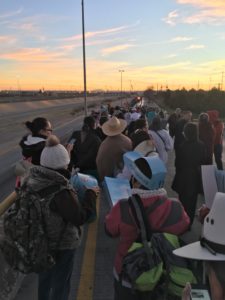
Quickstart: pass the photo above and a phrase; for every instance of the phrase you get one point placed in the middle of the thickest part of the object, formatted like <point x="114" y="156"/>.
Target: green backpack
<point x="179" y="272"/>
<point x="143" y="264"/>
<point x="150" y="265"/>
<point x="141" y="271"/>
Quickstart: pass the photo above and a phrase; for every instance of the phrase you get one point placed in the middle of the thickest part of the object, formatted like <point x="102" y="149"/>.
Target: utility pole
<point x="221" y="87"/>
<point x="84" y="60"/>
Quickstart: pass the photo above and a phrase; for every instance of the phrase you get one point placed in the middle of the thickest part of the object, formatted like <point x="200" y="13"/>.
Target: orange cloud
<point x="209" y="11"/>
<point x="31" y="54"/>
<point x="204" y="3"/>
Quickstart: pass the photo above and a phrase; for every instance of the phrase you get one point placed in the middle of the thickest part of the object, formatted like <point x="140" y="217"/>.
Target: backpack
<point x="143" y="272"/>
<point x="150" y="265"/>
<point x="143" y="265"/>
<point x="25" y="245"/>
<point x="179" y="271"/>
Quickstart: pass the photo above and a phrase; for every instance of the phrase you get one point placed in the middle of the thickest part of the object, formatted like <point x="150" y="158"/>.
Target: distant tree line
<point x="196" y="101"/>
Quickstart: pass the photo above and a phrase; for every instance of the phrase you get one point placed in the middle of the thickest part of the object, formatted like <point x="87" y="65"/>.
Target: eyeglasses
<point x="48" y="129"/>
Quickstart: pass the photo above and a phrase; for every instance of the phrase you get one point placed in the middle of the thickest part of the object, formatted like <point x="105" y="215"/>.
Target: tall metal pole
<point x="221" y="87"/>
<point x="84" y="60"/>
<point x="121" y="84"/>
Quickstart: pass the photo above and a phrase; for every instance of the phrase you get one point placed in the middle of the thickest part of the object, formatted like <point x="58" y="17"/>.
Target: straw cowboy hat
<point x="149" y="171"/>
<point x="146" y="148"/>
<point x="114" y="126"/>
<point x="212" y="244"/>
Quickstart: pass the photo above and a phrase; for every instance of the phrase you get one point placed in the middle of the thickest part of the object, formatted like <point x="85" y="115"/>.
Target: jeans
<point x="54" y="284"/>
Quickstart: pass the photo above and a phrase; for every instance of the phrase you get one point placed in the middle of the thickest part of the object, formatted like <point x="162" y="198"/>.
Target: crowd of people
<point x="98" y="149"/>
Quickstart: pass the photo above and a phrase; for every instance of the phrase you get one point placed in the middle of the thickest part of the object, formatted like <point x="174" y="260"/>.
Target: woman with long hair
<point x="85" y="149"/>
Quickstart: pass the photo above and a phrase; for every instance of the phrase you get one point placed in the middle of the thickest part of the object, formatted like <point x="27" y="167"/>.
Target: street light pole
<point x="84" y="60"/>
<point x="121" y="83"/>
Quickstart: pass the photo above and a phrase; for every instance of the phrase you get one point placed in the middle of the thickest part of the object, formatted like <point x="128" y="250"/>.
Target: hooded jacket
<point x="164" y="215"/>
<point x="32" y="147"/>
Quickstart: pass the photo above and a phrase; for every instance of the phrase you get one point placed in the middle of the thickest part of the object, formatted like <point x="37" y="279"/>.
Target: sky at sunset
<point x="164" y="43"/>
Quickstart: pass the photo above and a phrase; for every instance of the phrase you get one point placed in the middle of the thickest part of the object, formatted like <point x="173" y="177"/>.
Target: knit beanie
<point x="54" y="155"/>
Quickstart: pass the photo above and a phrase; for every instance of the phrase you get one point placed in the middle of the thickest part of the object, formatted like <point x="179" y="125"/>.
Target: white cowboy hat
<point x="148" y="171"/>
<point x="146" y="148"/>
<point x="212" y="244"/>
<point x="114" y="126"/>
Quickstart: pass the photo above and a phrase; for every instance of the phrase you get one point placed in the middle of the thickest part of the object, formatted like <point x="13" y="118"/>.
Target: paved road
<point x="65" y="115"/>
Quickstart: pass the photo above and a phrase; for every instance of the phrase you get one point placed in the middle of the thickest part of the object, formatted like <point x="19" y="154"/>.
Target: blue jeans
<point x="54" y="284"/>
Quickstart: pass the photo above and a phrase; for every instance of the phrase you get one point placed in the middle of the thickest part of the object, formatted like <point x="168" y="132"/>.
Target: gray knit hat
<point x="54" y="155"/>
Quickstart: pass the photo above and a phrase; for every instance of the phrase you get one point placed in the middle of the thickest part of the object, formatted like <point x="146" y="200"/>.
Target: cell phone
<point x="72" y="141"/>
<point x="200" y="294"/>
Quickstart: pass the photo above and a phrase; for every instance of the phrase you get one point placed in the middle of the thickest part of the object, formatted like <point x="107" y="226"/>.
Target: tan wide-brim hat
<point x="114" y="126"/>
<point x="146" y="148"/>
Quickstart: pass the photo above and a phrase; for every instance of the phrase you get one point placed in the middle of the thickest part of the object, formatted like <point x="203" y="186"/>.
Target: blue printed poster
<point x="116" y="189"/>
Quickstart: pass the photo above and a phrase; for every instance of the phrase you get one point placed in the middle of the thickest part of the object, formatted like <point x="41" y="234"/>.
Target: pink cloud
<point x="7" y="39"/>
<point x="118" y="48"/>
<point x="91" y="34"/>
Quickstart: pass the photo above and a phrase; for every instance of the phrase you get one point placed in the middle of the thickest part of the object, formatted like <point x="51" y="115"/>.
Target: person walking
<point x="187" y="180"/>
<point x="218" y="141"/>
<point x="206" y="135"/>
<point x="110" y="154"/>
<point x="179" y="129"/>
<point x="162" y="140"/>
<point x="162" y="213"/>
<point x="85" y="148"/>
<point x="63" y="219"/>
<point x="172" y="121"/>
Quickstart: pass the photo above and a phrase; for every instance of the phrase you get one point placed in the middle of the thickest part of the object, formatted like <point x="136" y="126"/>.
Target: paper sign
<point x="199" y="294"/>
<point x="209" y="184"/>
<point x="116" y="189"/>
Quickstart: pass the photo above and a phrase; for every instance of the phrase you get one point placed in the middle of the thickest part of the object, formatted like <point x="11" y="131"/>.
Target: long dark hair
<point x="88" y="124"/>
<point x="36" y="125"/>
<point x="191" y="132"/>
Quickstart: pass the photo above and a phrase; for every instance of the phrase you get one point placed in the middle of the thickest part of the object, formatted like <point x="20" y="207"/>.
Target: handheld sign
<point x="116" y="189"/>
<point x="209" y="184"/>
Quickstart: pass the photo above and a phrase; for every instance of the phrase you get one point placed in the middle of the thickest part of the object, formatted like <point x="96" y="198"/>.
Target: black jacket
<point x="84" y="153"/>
